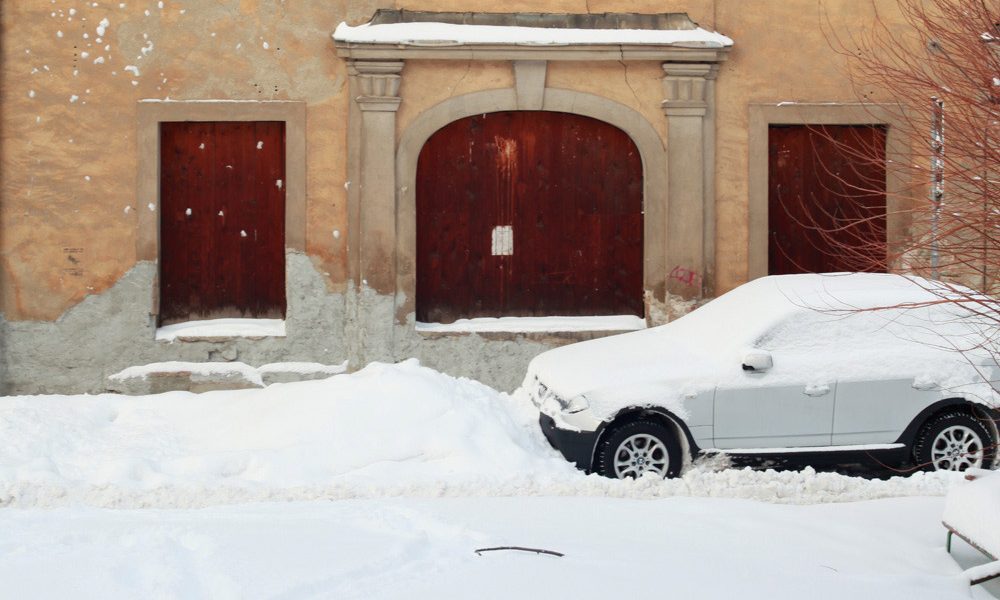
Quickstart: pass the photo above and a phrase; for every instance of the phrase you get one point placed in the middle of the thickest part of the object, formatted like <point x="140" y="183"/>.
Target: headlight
<point x="574" y="405"/>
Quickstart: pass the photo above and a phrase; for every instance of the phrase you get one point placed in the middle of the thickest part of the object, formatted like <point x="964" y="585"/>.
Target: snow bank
<point x="387" y="430"/>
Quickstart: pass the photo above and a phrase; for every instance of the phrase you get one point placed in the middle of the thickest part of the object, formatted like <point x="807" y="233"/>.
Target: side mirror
<point x="757" y="361"/>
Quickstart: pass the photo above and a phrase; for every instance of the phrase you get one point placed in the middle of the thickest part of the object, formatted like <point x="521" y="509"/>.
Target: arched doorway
<point x="529" y="213"/>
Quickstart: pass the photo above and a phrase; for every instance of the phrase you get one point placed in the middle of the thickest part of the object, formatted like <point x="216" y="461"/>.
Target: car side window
<point x="813" y="330"/>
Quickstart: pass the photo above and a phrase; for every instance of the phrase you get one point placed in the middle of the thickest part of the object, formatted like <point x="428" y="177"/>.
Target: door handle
<point x="816" y="390"/>
<point x="924" y="384"/>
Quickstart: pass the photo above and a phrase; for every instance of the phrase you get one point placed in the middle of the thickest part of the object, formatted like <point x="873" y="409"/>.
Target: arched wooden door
<point x="528" y="213"/>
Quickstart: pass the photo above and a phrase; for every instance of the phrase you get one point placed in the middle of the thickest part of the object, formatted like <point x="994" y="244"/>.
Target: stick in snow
<point x="521" y="548"/>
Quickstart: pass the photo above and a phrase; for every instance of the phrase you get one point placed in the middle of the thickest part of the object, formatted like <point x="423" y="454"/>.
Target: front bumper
<point x="576" y="446"/>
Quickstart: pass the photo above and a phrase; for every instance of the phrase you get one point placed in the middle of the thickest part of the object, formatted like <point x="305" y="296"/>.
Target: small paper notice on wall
<point x="503" y="240"/>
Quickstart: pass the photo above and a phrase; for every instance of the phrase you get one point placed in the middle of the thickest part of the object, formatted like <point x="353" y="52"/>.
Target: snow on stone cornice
<point x="445" y="34"/>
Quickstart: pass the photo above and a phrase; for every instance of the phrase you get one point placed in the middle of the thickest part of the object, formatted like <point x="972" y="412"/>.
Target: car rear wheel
<point x="954" y="441"/>
<point x="637" y="448"/>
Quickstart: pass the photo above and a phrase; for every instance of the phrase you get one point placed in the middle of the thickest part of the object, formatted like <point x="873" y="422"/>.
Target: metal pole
<point x="937" y="180"/>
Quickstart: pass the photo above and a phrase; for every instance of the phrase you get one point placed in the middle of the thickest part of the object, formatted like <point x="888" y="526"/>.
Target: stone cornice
<point x="583" y="52"/>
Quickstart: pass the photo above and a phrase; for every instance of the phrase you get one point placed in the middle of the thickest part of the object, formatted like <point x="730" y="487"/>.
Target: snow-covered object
<point x="222" y="328"/>
<point x="231" y="369"/>
<point x="387" y="430"/>
<point x="237" y="370"/>
<point x="972" y="508"/>
<point x="817" y="322"/>
<point x="443" y="34"/>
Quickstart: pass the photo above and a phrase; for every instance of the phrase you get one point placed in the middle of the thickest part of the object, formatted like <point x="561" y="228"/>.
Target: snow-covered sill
<point x="854" y="448"/>
<point x="222" y="328"/>
<point x="536" y="324"/>
<point x="228" y="369"/>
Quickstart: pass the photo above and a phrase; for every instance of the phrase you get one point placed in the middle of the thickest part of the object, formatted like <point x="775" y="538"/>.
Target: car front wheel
<point x="954" y="441"/>
<point x="637" y="448"/>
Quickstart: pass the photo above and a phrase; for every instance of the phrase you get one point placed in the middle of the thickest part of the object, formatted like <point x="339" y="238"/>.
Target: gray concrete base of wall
<point x="114" y="330"/>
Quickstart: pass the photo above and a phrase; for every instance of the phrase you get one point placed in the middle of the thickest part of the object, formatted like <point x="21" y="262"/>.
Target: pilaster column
<point x="686" y="105"/>
<point x="378" y="100"/>
<point x="372" y="206"/>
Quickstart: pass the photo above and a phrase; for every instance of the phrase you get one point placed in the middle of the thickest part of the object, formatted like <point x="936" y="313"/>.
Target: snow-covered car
<point x="805" y="368"/>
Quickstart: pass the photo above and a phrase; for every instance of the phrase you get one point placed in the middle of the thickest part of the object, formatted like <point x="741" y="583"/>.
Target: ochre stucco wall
<point x="68" y="216"/>
<point x="64" y="236"/>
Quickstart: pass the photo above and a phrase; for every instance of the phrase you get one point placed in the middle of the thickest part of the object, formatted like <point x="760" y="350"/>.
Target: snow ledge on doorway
<point x="222" y="328"/>
<point x="536" y="324"/>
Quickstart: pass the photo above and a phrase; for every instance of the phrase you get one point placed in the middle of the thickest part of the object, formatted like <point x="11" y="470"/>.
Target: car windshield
<point x="735" y="319"/>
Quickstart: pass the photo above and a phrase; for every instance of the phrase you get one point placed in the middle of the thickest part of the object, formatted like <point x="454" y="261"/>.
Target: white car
<point x="816" y="368"/>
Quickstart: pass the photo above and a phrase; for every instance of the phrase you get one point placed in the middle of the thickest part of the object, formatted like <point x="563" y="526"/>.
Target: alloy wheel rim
<point x="639" y="454"/>
<point x="957" y="448"/>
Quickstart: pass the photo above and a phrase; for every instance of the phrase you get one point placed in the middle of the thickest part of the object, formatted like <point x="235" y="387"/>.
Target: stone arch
<point x="637" y="127"/>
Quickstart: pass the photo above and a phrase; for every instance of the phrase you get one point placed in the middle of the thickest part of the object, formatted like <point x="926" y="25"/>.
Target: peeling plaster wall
<point x="108" y="332"/>
<point x="111" y="331"/>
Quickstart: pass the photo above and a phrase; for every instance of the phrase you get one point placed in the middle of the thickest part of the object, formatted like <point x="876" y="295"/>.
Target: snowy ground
<point x="424" y="548"/>
<point x="382" y="483"/>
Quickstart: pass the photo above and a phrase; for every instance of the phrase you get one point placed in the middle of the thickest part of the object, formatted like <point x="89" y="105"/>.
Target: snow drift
<point x="387" y="430"/>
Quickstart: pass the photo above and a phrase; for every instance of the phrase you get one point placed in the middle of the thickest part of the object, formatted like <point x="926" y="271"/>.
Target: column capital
<point x="378" y="84"/>
<point x="684" y="87"/>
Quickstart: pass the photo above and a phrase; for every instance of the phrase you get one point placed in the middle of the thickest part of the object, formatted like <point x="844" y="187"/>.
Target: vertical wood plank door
<point x="826" y="199"/>
<point x="528" y="213"/>
<point x="222" y="220"/>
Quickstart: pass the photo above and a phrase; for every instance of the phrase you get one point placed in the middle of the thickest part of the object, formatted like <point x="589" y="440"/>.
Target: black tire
<point x="924" y="444"/>
<point x="613" y="443"/>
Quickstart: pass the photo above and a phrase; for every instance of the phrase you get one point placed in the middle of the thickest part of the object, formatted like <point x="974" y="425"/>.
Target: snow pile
<point x="387" y="430"/>
<point x="973" y="509"/>
<point x="387" y="425"/>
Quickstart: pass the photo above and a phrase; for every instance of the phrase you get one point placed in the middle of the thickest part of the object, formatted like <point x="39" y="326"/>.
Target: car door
<point x="790" y="403"/>
<point x="876" y="411"/>
<point x="902" y="367"/>
<point x="785" y="406"/>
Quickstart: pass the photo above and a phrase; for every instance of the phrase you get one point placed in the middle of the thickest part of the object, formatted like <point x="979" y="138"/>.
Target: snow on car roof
<point x="743" y="314"/>
<point x="860" y="290"/>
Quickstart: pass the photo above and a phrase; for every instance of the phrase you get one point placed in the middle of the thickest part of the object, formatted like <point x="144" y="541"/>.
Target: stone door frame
<point x="381" y="199"/>
<point x="762" y="116"/>
<point x="152" y="113"/>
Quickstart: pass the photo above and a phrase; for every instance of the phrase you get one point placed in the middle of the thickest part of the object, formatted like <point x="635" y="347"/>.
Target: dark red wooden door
<point x="222" y="212"/>
<point x="826" y="199"/>
<point x="528" y="213"/>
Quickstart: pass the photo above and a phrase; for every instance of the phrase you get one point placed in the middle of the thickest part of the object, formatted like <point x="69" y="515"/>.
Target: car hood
<point x="632" y="365"/>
